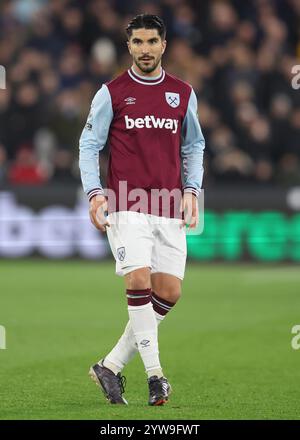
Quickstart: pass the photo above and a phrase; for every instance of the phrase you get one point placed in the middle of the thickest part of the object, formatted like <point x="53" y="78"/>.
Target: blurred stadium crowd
<point x="238" y="56"/>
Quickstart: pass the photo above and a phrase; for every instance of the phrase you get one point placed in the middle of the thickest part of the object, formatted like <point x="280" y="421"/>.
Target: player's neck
<point x="154" y="74"/>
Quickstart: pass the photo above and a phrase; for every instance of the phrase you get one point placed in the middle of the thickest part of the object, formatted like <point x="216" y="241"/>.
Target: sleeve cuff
<point x="95" y="192"/>
<point x="190" y="189"/>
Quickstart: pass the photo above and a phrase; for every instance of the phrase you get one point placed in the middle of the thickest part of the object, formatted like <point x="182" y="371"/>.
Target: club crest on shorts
<point x="121" y="253"/>
<point x="173" y="99"/>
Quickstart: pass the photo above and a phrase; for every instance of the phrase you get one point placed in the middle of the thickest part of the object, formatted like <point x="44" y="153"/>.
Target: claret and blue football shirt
<point x="154" y="136"/>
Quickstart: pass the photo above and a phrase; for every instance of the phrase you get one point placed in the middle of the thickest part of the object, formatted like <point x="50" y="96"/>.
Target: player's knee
<point x="138" y="279"/>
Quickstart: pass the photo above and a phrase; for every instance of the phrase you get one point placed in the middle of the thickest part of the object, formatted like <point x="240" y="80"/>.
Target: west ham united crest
<point x="173" y="99"/>
<point x="121" y="253"/>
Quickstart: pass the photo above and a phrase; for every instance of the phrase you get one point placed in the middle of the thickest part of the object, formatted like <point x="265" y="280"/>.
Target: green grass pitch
<point x="226" y="346"/>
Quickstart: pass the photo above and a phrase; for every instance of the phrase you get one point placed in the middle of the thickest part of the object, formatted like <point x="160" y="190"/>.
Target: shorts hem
<point x="127" y="269"/>
<point x="169" y="272"/>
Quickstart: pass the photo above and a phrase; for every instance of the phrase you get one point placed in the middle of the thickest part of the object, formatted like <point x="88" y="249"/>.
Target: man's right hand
<point x="98" y="208"/>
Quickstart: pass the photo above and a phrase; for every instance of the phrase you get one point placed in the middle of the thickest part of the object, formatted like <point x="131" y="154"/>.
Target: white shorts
<point x="145" y="240"/>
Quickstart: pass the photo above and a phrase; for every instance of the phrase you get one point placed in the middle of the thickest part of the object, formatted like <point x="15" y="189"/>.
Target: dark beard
<point x="147" y="69"/>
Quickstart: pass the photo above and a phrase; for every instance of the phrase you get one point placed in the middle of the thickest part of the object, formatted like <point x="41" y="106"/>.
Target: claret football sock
<point x="126" y="347"/>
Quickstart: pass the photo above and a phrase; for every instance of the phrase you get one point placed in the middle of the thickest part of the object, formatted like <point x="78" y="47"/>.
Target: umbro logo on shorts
<point x="121" y="253"/>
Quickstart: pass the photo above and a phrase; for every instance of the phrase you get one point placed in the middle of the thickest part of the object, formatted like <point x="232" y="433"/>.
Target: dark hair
<point x="147" y="21"/>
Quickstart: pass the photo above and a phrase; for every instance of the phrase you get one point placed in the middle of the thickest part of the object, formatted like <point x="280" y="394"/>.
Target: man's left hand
<point x="189" y="205"/>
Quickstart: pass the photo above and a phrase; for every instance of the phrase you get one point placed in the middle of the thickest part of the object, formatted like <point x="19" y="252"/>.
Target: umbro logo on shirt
<point x="150" y="121"/>
<point x="130" y="100"/>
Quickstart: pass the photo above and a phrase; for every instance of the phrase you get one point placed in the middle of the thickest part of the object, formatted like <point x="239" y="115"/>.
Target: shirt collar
<point x="147" y="80"/>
